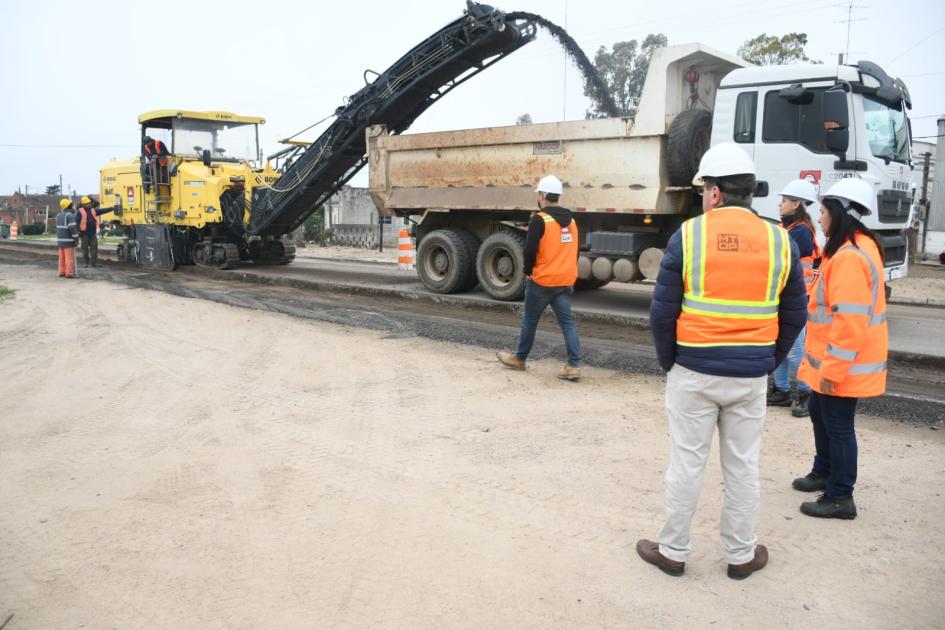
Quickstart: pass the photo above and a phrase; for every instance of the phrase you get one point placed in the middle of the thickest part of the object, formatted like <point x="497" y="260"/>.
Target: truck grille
<point x="895" y="247"/>
<point x="893" y="206"/>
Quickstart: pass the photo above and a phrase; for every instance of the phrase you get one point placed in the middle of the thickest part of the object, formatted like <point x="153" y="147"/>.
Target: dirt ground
<point x="169" y="462"/>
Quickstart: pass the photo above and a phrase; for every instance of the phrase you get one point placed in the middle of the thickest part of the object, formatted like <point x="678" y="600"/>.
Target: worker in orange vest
<point x="551" y="253"/>
<point x="66" y="237"/>
<point x="847" y="344"/>
<point x="795" y="198"/>
<point x="155" y="152"/>
<point x="727" y="307"/>
<point x="89" y="224"/>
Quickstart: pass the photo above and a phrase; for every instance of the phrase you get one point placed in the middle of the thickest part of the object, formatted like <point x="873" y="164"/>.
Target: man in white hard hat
<point x="728" y="304"/>
<point x="551" y="253"/>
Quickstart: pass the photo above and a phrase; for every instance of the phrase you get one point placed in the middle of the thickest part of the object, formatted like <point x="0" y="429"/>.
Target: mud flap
<point x="155" y="247"/>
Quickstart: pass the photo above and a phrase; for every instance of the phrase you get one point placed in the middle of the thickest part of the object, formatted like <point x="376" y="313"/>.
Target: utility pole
<point x="924" y="205"/>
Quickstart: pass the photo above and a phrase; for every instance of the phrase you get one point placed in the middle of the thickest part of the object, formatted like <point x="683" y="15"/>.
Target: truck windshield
<point x="225" y="141"/>
<point x="887" y="130"/>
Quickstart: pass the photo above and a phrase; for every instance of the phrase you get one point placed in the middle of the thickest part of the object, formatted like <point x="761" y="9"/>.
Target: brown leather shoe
<point x="741" y="571"/>
<point x="569" y="373"/>
<point x="650" y="552"/>
<point x="509" y="360"/>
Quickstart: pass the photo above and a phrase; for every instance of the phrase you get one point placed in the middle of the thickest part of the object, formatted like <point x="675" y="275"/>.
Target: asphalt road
<point x="612" y="320"/>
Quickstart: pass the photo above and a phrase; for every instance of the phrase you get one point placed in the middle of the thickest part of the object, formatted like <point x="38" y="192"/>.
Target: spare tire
<point x="688" y="140"/>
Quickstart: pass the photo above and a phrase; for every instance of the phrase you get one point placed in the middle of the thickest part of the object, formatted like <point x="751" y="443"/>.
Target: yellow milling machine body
<point x="192" y="204"/>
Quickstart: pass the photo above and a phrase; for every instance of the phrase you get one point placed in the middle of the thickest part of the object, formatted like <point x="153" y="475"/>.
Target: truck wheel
<point x="472" y="243"/>
<point x="444" y="262"/>
<point x="500" y="265"/>
<point x="688" y="140"/>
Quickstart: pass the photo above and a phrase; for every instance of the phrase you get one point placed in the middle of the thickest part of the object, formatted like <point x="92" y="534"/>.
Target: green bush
<point x="315" y="227"/>
<point x="33" y="229"/>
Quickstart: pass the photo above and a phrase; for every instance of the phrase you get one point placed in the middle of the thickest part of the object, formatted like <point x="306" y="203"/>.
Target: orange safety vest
<point x="847" y="335"/>
<point x="556" y="262"/>
<point x="83" y="224"/>
<point x="807" y="262"/>
<point x="735" y="266"/>
<point x="152" y="148"/>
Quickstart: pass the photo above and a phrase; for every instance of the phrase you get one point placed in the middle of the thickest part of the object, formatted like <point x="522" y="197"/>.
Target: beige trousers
<point x="695" y="404"/>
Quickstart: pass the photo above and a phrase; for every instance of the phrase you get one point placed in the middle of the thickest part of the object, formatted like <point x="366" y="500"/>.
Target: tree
<point x="768" y="50"/>
<point x="53" y="190"/>
<point x="623" y="69"/>
<point x="524" y="119"/>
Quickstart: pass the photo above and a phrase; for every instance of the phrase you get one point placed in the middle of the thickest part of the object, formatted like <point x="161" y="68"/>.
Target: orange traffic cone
<point x="14" y="230"/>
<point x="405" y="251"/>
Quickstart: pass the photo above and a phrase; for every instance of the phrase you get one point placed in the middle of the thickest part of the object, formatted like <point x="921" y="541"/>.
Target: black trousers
<point x="89" y="248"/>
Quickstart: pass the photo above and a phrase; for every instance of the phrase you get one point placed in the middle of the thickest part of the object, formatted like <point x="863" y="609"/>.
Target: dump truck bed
<point x="604" y="164"/>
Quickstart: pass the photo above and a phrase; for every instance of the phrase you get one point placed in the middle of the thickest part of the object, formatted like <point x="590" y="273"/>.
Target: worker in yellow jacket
<point x="847" y="344"/>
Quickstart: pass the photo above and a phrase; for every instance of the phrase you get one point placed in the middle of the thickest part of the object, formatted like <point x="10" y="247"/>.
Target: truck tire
<point x="472" y="243"/>
<point x="500" y="265"/>
<point x="688" y="140"/>
<point x="444" y="262"/>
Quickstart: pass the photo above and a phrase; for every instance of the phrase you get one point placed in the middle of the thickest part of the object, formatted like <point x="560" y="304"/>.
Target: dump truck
<point x="213" y="201"/>
<point x="467" y="195"/>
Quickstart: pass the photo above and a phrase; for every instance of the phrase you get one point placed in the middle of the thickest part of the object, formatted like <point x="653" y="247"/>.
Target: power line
<point x="928" y="116"/>
<point x="921" y="41"/>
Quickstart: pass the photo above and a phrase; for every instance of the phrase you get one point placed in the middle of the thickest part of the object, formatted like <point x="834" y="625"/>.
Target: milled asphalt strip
<point x="404" y="322"/>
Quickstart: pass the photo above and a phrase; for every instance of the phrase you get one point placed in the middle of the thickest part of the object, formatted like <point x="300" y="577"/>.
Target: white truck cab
<point x="824" y="123"/>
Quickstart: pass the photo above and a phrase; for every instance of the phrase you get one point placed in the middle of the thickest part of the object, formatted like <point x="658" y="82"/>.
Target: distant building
<point x="25" y="209"/>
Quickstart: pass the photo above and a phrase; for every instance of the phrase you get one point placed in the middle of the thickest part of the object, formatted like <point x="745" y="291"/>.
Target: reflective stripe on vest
<point x="752" y="322"/>
<point x="822" y="316"/>
<point x="84" y="222"/>
<point x="556" y="260"/>
<point x="856" y="368"/>
<point x="807" y="262"/>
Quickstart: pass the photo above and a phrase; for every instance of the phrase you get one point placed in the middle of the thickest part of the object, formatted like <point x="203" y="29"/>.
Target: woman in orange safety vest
<point x="847" y="343"/>
<point x="797" y="195"/>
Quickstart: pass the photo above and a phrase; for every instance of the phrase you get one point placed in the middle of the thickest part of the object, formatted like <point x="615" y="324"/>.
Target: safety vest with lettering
<point x="847" y="335"/>
<point x="807" y="262"/>
<point x="556" y="261"/>
<point x="84" y="221"/>
<point x="735" y="266"/>
<point x="154" y="148"/>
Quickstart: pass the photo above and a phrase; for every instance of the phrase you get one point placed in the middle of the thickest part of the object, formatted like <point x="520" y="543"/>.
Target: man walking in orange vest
<point x="728" y="305"/>
<point x="551" y="253"/>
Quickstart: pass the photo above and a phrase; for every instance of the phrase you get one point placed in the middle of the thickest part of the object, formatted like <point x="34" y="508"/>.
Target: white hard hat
<point x="549" y="184"/>
<point x="723" y="160"/>
<point x="855" y="190"/>
<point x="800" y="189"/>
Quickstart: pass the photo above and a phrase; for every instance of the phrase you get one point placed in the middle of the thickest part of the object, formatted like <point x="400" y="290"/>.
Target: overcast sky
<point x="75" y="75"/>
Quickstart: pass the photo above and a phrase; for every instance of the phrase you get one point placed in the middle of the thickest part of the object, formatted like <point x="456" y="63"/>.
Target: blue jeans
<point x="787" y="371"/>
<point x="835" y="441"/>
<point x="537" y="298"/>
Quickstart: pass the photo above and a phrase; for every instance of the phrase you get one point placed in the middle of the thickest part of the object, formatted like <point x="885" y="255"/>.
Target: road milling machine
<point x="212" y="200"/>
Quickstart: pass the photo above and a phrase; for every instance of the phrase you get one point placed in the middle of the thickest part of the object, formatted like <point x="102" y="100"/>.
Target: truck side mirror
<point x="206" y="157"/>
<point x="836" y="121"/>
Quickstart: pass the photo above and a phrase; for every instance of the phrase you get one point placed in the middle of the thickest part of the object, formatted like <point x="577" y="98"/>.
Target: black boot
<point x="828" y="507"/>
<point x="810" y="483"/>
<point x="779" y="398"/>
<point x="800" y="408"/>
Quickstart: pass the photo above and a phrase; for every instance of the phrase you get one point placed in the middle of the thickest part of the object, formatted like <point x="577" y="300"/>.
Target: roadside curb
<point x="929" y="302"/>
